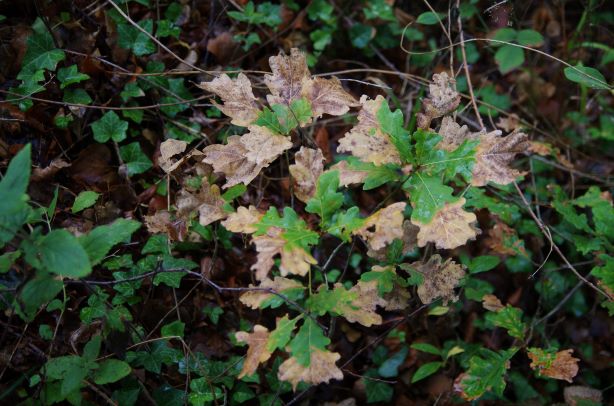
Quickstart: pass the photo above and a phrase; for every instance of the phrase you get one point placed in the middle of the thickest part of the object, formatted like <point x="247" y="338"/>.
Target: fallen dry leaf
<point x="348" y="176"/>
<point x="243" y="220"/>
<point x="366" y="141"/>
<point x="452" y="134"/>
<point x="503" y="240"/>
<point x="168" y="149"/>
<point x="451" y="227"/>
<point x="263" y="146"/>
<point x="562" y="366"/>
<point x="257" y="351"/>
<point x="256" y="297"/>
<point x="286" y="82"/>
<point x="208" y="202"/>
<point x="307" y="168"/>
<point x="321" y="369"/>
<point x="409" y="239"/>
<point x="382" y="227"/>
<point x="240" y="104"/>
<point x="440" y="279"/>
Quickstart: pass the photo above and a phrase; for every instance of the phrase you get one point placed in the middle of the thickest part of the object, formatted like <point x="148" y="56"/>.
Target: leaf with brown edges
<point x="240" y="104"/>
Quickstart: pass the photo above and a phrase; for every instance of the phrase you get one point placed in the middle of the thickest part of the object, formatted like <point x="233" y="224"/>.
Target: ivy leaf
<point x="131" y="38"/>
<point x="326" y="200"/>
<point x="428" y="195"/>
<point x="377" y="391"/>
<point x="111" y="370"/>
<point x="486" y="373"/>
<point x="110" y="126"/>
<point x="135" y="160"/>
<point x="41" y="53"/>
<point x="76" y="96"/>
<point x="131" y="90"/>
<point x="70" y="75"/>
<point x="392" y="124"/>
<point x="84" y="200"/>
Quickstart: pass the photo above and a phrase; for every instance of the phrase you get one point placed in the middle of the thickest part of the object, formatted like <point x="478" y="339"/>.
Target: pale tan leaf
<point x="257" y="352"/>
<point x="208" y="202"/>
<point x="362" y="309"/>
<point x="440" y="279"/>
<point x="443" y="99"/>
<point x="563" y="366"/>
<point x="286" y="82"/>
<point x="327" y="96"/>
<point x="240" y="104"/>
<point x="492" y="303"/>
<point x="168" y="149"/>
<point x="382" y="227"/>
<point x="494" y="155"/>
<point x="294" y="260"/>
<point x="255" y="298"/>
<point x="366" y="141"/>
<point x="263" y="146"/>
<point x="409" y="239"/>
<point x="321" y="369"/>
<point x="243" y="220"/>
<point x="451" y="227"/>
<point x="452" y="134"/>
<point x="308" y="166"/>
<point x="231" y="160"/>
<point x="348" y="176"/>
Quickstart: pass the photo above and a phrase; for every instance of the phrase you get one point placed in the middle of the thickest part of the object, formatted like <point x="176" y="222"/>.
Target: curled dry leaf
<point x="557" y="366"/>
<point x="440" y="279"/>
<point x="263" y="146"/>
<point x="443" y="99"/>
<point x="243" y="220"/>
<point x="168" y="149"/>
<point x="492" y="303"/>
<point x="240" y="104"/>
<point x="321" y="368"/>
<point x="452" y="134"/>
<point x="382" y="227"/>
<point x="503" y="240"/>
<point x="163" y="222"/>
<point x="494" y="155"/>
<point x="255" y="298"/>
<point x="451" y="227"/>
<point x="286" y="82"/>
<point x="366" y="141"/>
<point x="307" y="168"/>
<point x="257" y="351"/>
<point x="294" y="260"/>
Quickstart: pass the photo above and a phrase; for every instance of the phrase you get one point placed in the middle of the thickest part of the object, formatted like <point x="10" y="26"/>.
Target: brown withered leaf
<point x="503" y="240"/>
<point x="492" y="303"/>
<point x="451" y="227"/>
<point x="327" y="96"/>
<point x="257" y="351"/>
<point x="208" y="202"/>
<point x="308" y="166"/>
<point x="286" y="82"/>
<point x="168" y="149"/>
<point x="163" y="222"/>
<point x="383" y="226"/>
<point x="40" y="174"/>
<point x="563" y="366"/>
<point x="452" y="134"/>
<point x="321" y="369"/>
<point x="440" y="279"/>
<point x="348" y="176"/>
<point x="231" y="160"/>
<point x="243" y="220"/>
<point x="362" y="309"/>
<point x="366" y="141"/>
<point x="494" y="156"/>
<point x="255" y="298"/>
<point x="240" y="104"/>
<point x="509" y="123"/>
<point x="443" y="99"/>
<point x="263" y="146"/>
<point x="294" y="260"/>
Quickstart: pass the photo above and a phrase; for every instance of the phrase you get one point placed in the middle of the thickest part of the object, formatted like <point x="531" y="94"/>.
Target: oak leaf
<point x="240" y="104"/>
<point x="440" y="279"/>
<point x="262" y="293"/>
<point x="362" y="308"/>
<point x="168" y="149"/>
<point x="263" y="146"/>
<point x="366" y="140"/>
<point x="321" y="368"/>
<point x="257" y="351"/>
<point x="557" y="366"/>
<point x="503" y="240"/>
<point x="327" y="96"/>
<point x="243" y="220"/>
<point x="452" y="134"/>
<point x="164" y="222"/>
<point x="494" y="155"/>
<point x="409" y="240"/>
<point x="294" y="259"/>
<point x="349" y="176"/>
<point x="286" y="82"/>
<point x="208" y="202"/>
<point x="382" y="227"/>
<point x="451" y="227"/>
<point x="307" y="168"/>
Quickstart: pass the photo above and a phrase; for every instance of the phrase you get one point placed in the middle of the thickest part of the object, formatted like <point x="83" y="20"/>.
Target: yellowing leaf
<point x="557" y="366"/>
<point x="239" y="101"/>
<point x="451" y="227"/>
<point x="440" y="279"/>
<point x="243" y="220"/>
<point x="286" y="82"/>
<point x="321" y="368"/>
<point x="256" y="298"/>
<point x="362" y="309"/>
<point x="308" y="166"/>
<point x="494" y="155"/>
<point x="294" y="259"/>
<point x="257" y="351"/>
<point x="382" y="227"/>
<point x="263" y="146"/>
<point x="366" y="141"/>
<point x="443" y="99"/>
<point x="168" y="149"/>
<point x="327" y="96"/>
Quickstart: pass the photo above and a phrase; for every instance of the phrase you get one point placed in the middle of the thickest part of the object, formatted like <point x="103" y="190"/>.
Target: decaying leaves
<point x="440" y="279"/>
<point x="321" y="368"/>
<point x="557" y="366"/>
<point x="243" y="220"/>
<point x="168" y="150"/>
<point x="257" y="351"/>
<point x="255" y="298"/>
<point x="294" y="260"/>
<point x="263" y="146"/>
<point x="349" y="176"/>
<point x="503" y="240"/>
<point x="307" y="168"/>
<point x="443" y="99"/>
<point x="327" y="96"/>
<point x="382" y="227"/>
<point x="366" y="141"/>
<point x="240" y="104"/>
<point x="451" y="227"/>
<point x="582" y="395"/>
<point x="208" y="202"/>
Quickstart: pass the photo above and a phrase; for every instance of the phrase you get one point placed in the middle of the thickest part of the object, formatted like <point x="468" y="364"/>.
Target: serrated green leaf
<point x="345" y="223"/>
<point x="486" y="373"/>
<point x="328" y="300"/>
<point x="509" y="318"/>
<point x="110" y="126"/>
<point x="326" y="200"/>
<point x="282" y="119"/>
<point x="84" y="200"/>
<point x="70" y="75"/>
<point x="111" y="370"/>
<point x="428" y="195"/>
<point x="279" y="338"/>
<point x="385" y="278"/>
<point x="296" y="232"/>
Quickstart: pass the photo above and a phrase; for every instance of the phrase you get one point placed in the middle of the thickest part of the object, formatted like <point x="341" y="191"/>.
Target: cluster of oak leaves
<point x="376" y="143"/>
